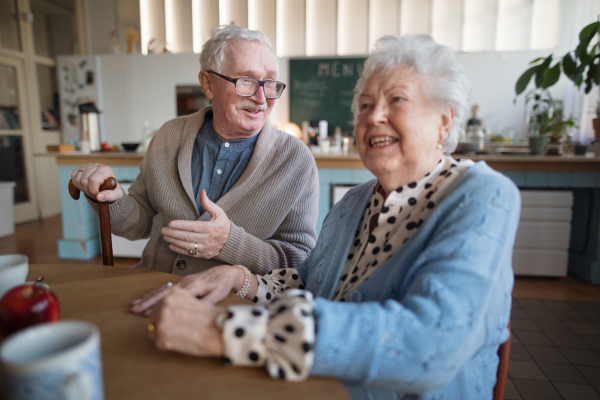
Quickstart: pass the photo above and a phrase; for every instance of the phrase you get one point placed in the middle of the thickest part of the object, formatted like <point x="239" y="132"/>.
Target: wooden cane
<point x="104" y="216"/>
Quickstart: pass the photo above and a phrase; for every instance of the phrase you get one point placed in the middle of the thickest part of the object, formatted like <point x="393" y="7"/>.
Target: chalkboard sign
<point x="322" y="89"/>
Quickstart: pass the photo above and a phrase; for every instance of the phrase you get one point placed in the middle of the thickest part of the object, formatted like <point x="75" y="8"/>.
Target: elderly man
<point x="221" y="186"/>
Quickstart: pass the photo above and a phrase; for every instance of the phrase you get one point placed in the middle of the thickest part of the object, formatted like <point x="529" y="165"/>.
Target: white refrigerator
<point x="79" y="81"/>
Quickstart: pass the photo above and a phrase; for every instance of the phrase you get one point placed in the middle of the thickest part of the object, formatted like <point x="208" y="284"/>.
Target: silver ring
<point x="195" y="250"/>
<point x="169" y="284"/>
<point x="79" y="170"/>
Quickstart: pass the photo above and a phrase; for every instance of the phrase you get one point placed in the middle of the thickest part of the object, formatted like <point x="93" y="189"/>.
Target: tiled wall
<point x="542" y="179"/>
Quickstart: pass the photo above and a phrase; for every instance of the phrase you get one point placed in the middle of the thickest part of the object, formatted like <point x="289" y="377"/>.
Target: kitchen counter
<point x="498" y="162"/>
<point x="337" y="173"/>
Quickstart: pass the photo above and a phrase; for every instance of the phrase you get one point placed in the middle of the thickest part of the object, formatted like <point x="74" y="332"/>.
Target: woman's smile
<point x="381" y="141"/>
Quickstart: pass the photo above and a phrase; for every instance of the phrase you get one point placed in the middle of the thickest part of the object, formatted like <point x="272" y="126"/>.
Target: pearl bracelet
<point x="246" y="288"/>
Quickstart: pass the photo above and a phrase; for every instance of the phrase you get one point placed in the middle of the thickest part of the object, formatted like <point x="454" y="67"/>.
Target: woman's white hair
<point x="445" y="81"/>
<point x="212" y="56"/>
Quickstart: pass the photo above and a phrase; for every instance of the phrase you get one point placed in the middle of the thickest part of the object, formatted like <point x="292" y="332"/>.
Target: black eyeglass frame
<point x="260" y="83"/>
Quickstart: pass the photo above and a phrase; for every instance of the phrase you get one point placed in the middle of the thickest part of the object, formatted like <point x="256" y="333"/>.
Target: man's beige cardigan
<point x="273" y="207"/>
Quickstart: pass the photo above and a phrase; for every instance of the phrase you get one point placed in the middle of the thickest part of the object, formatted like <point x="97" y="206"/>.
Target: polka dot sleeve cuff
<point x="271" y="285"/>
<point x="281" y="336"/>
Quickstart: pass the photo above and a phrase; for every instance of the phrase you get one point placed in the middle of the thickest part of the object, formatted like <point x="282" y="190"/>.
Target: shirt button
<point x="181" y="264"/>
<point x="219" y="172"/>
<point x="356" y="296"/>
<point x="226" y="144"/>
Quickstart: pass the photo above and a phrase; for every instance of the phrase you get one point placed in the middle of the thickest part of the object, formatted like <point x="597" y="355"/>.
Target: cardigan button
<point x="181" y="264"/>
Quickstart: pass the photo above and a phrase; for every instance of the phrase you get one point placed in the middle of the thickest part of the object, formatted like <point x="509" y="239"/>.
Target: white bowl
<point x="13" y="271"/>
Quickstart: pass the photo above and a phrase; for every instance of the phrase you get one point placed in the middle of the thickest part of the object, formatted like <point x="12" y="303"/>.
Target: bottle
<point x="313" y="133"/>
<point x="305" y="137"/>
<point x="323" y="129"/>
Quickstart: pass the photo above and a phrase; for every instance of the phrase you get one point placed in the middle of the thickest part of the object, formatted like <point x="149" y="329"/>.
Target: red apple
<point x="27" y="305"/>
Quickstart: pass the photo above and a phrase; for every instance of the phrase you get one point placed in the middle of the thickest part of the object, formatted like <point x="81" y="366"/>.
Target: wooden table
<point x="133" y="367"/>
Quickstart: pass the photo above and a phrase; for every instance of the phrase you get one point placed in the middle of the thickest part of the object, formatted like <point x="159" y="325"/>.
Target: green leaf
<point x="536" y="60"/>
<point x="540" y="73"/>
<point x="581" y="50"/>
<point x="547" y="61"/>
<point x="589" y="31"/>
<point x="596" y="74"/>
<point x="584" y="57"/>
<point x="523" y="81"/>
<point x="592" y="75"/>
<point x="569" y="65"/>
<point x="540" y="76"/>
<point x="551" y="77"/>
<point x="588" y="85"/>
<point x="578" y="75"/>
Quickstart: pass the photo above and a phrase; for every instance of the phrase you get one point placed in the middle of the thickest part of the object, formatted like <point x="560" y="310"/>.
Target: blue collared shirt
<point x="217" y="163"/>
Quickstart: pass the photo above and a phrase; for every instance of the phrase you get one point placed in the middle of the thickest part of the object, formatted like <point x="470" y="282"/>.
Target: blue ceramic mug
<point x="53" y="361"/>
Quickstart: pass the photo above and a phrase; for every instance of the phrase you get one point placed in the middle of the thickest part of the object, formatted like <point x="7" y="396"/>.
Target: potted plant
<point x="538" y="117"/>
<point x="546" y="121"/>
<point x="580" y="65"/>
<point x="558" y="127"/>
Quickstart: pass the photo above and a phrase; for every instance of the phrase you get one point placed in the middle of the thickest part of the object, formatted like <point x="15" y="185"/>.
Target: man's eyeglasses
<point x="246" y="87"/>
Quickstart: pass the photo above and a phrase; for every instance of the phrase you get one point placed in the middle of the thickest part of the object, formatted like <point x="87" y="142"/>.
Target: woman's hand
<point x="211" y="286"/>
<point x="88" y="179"/>
<point x="181" y="323"/>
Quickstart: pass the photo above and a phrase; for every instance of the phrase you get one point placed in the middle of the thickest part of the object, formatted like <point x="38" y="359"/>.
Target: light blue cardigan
<point x="428" y="323"/>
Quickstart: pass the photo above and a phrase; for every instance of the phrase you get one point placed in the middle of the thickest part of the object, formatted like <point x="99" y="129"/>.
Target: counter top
<point x="498" y="162"/>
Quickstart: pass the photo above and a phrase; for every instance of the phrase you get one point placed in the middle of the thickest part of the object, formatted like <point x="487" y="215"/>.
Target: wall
<point x="493" y="76"/>
<point x="139" y="88"/>
<point x="101" y="21"/>
<point x="106" y="16"/>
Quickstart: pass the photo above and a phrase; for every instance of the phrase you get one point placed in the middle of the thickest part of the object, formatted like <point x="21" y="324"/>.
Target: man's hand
<point x="181" y="323"/>
<point x="204" y="238"/>
<point x="88" y="179"/>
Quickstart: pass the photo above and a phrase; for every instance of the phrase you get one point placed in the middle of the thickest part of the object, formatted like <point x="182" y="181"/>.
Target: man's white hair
<point x="444" y="80"/>
<point x="212" y="56"/>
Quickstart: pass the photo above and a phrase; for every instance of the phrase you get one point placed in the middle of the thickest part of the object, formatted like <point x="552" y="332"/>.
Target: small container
<point x="475" y="135"/>
<point x="324" y="146"/>
<point x="597" y="149"/>
<point x="305" y="126"/>
<point x="313" y="133"/>
<point x="323" y="129"/>
<point x="580" y="149"/>
<point x="345" y="145"/>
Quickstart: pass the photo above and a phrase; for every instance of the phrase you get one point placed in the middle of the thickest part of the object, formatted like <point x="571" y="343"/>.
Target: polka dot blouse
<point x="279" y="332"/>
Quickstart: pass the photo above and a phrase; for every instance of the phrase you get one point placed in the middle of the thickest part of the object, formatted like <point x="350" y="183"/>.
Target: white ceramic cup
<point x="324" y="146"/>
<point x="13" y="271"/>
<point x="53" y="361"/>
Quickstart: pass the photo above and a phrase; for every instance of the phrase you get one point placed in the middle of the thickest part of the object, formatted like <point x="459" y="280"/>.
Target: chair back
<point x="502" y="373"/>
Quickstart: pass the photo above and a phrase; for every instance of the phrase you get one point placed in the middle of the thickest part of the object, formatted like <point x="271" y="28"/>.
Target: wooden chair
<point x="104" y="216"/>
<point x="502" y="373"/>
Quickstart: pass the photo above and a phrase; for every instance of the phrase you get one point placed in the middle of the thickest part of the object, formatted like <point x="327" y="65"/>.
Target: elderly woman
<point x="408" y="290"/>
